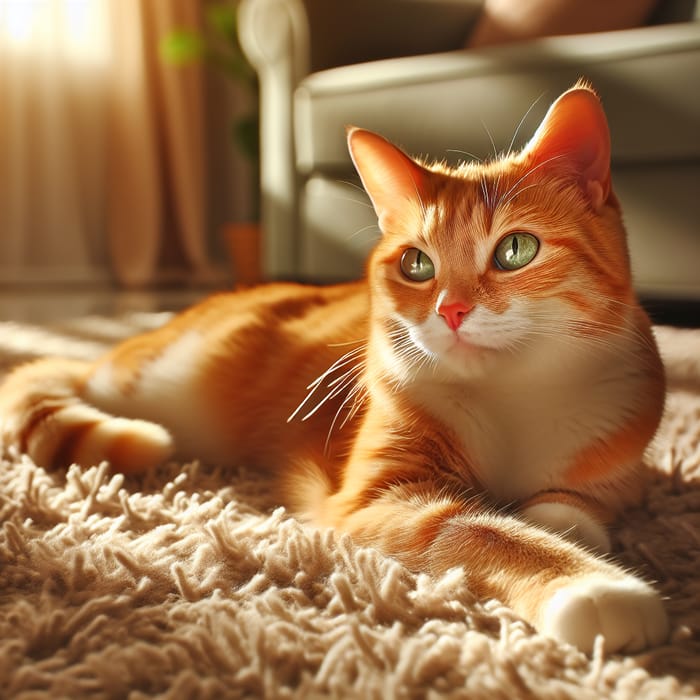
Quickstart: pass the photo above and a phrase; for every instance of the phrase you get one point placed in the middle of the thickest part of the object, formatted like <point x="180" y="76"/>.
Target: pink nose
<point x="454" y="313"/>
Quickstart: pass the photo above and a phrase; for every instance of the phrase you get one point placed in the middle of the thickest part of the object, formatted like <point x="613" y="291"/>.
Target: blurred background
<point x="119" y="165"/>
<point x="154" y="150"/>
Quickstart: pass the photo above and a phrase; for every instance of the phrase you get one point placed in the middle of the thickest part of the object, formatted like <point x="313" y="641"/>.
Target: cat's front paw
<point x="627" y="612"/>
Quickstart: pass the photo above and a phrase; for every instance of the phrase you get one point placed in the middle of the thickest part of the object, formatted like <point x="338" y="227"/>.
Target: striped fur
<point x="501" y="442"/>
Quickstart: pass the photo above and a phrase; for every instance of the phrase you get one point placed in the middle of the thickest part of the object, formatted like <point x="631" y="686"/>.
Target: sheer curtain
<point x="101" y="144"/>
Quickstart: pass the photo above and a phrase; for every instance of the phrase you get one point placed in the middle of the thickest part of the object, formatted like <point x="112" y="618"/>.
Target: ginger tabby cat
<point x="483" y="398"/>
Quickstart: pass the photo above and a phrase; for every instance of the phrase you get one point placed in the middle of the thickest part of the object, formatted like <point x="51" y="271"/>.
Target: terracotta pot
<point x="243" y="241"/>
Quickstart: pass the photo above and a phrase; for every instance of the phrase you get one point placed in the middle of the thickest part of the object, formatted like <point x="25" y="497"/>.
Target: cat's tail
<point x="304" y="487"/>
<point x="43" y="415"/>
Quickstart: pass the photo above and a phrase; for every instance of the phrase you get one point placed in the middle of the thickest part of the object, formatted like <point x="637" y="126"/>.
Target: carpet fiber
<point x="189" y="583"/>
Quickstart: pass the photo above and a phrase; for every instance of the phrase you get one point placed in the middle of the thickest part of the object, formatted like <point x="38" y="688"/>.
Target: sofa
<point x="398" y="67"/>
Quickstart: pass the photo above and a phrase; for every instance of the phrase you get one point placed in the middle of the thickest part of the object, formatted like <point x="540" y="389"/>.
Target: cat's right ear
<point x="394" y="182"/>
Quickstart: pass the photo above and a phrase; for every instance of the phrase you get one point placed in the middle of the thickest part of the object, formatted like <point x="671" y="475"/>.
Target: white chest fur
<point x="521" y="423"/>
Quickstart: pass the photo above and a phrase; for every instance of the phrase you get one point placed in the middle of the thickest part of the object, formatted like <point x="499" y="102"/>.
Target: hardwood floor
<point x="44" y="305"/>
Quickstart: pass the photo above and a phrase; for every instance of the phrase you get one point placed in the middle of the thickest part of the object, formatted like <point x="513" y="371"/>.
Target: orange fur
<point x="483" y="442"/>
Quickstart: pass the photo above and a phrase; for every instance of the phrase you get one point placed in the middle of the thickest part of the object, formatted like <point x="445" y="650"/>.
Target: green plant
<point x="218" y="45"/>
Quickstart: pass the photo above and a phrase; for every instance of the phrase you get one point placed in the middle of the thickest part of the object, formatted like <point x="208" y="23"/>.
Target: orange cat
<point x="483" y="399"/>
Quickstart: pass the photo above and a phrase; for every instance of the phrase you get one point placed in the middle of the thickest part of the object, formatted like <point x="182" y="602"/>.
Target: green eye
<point x="416" y="265"/>
<point x="516" y="250"/>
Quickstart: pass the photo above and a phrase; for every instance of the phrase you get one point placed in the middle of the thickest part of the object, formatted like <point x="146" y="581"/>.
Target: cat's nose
<point x="454" y="313"/>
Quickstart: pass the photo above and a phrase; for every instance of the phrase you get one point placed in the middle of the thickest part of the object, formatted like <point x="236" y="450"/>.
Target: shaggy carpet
<point x="189" y="583"/>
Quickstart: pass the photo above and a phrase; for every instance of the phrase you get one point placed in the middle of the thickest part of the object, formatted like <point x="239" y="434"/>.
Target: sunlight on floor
<point x="48" y="305"/>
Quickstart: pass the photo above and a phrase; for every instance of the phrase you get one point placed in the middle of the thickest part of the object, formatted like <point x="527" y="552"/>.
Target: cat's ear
<point x="573" y="138"/>
<point x="394" y="182"/>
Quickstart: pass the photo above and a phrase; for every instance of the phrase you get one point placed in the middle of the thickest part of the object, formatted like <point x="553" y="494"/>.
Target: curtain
<point x="53" y="59"/>
<point x="101" y="144"/>
<point x="155" y="118"/>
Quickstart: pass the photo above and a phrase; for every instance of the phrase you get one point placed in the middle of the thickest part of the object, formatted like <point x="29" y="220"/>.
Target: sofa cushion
<point x="468" y="99"/>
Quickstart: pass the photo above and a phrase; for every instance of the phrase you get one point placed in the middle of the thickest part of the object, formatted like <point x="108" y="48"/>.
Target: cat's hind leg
<point x="43" y="415"/>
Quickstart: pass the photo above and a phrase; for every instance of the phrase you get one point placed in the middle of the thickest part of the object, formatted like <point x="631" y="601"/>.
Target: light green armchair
<point x="396" y="67"/>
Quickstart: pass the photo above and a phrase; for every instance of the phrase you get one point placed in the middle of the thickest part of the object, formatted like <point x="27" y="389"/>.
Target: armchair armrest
<point x="285" y="40"/>
<point x="274" y="35"/>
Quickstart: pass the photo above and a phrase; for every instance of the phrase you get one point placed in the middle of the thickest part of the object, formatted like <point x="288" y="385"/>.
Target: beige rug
<point x="189" y="584"/>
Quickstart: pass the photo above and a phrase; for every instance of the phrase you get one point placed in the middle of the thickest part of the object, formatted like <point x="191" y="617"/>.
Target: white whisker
<point x="493" y="143"/>
<point x="357" y="401"/>
<point x="485" y="192"/>
<point x="343" y="376"/>
<point x="465" y="153"/>
<point x="529" y="172"/>
<point x="521" y="122"/>
<point x="329" y="396"/>
<point x="518" y="192"/>
<point x="355" y="186"/>
<point x="362" y="230"/>
<point x="341" y="362"/>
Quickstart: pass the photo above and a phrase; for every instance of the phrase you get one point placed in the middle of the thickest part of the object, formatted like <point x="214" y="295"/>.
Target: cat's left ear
<point x="574" y="139"/>
<point x="394" y="182"/>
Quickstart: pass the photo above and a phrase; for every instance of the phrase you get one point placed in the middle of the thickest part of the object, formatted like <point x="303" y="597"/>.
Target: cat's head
<point x="487" y="258"/>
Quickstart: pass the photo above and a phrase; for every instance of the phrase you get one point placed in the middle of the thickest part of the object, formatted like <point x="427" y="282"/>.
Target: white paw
<point x="570" y="522"/>
<point x="627" y="612"/>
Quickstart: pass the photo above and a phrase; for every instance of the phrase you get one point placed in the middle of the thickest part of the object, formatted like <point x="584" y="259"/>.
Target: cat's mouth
<point x="462" y="346"/>
<point x="461" y="342"/>
<point x="459" y="346"/>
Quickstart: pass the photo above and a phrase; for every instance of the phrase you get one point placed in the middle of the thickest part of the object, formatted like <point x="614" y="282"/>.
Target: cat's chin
<point x="460" y="357"/>
<point x="461" y="349"/>
<point x="456" y="353"/>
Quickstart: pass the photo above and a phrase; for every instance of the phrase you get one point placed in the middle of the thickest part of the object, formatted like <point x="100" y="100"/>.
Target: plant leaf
<point x="222" y="18"/>
<point x="246" y="134"/>
<point x="182" y="46"/>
